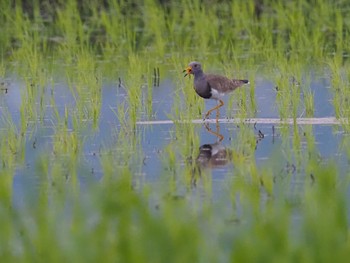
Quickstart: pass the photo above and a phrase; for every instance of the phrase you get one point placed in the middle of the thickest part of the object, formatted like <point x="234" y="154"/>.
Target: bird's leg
<point x="221" y="103"/>
<point x="220" y="136"/>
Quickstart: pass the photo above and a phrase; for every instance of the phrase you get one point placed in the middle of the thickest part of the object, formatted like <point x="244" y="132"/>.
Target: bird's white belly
<point x="215" y="94"/>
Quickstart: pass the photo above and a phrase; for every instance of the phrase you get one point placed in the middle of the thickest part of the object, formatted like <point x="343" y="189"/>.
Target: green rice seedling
<point x="12" y="138"/>
<point x="126" y="155"/>
<point x="12" y="150"/>
<point x="124" y="208"/>
<point x="7" y="172"/>
<point x="341" y="95"/>
<point x="85" y="83"/>
<point x="70" y="27"/>
<point x="309" y="103"/>
<point x="171" y="166"/>
<point x="288" y="88"/>
<point x="344" y="145"/>
<point x="154" y="19"/>
<point x="8" y="232"/>
<point x="113" y="23"/>
<point x="121" y="114"/>
<point x="329" y="193"/>
<point x="34" y="72"/>
<point x="54" y="108"/>
<point x="243" y="150"/>
<point x="289" y="243"/>
<point x="29" y="53"/>
<point x="283" y="97"/>
<point x="246" y="187"/>
<point x="285" y="28"/>
<point x="5" y="39"/>
<point x="279" y="232"/>
<point x="191" y="106"/>
<point x="66" y="151"/>
<point x="285" y="132"/>
<point x="308" y="133"/>
<point x="297" y="139"/>
<point x="30" y="111"/>
<point x="2" y="69"/>
<point x="151" y="81"/>
<point x="66" y="142"/>
<point x="136" y="79"/>
<point x="311" y="156"/>
<point x="188" y="144"/>
<point x="239" y="101"/>
<point x="337" y="87"/>
<point x="252" y="97"/>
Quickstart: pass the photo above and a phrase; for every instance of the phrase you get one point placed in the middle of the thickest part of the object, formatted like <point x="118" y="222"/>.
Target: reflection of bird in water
<point x="216" y="155"/>
<point x="213" y="155"/>
<point x="210" y="156"/>
<point x="216" y="133"/>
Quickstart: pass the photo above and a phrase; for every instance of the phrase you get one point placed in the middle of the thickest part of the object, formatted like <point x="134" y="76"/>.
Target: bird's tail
<point x="245" y="81"/>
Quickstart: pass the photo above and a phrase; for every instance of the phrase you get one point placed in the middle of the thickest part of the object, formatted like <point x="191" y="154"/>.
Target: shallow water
<point x="150" y="165"/>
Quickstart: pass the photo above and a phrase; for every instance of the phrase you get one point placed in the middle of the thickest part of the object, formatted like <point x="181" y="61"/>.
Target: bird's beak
<point x="188" y="71"/>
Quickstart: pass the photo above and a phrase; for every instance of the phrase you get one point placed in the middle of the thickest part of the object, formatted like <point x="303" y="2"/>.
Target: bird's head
<point x="193" y="68"/>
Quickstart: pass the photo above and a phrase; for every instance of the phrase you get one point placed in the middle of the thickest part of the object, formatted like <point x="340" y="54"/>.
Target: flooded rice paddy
<point x="214" y="150"/>
<point x="104" y="153"/>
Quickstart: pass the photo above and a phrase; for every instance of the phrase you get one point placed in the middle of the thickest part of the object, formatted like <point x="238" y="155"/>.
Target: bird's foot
<point x="207" y="115"/>
<point x="206" y="118"/>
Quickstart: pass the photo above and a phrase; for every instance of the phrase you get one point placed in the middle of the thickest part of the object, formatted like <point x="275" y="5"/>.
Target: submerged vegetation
<point x="73" y="185"/>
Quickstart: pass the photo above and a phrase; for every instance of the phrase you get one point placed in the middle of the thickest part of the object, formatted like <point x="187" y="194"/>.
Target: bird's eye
<point x="195" y="65"/>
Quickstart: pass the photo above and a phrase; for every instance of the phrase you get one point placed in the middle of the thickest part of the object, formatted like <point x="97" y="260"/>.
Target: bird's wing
<point x="222" y="83"/>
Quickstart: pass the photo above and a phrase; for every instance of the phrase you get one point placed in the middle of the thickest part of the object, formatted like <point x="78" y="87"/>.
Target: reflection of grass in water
<point x="12" y="149"/>
<point x="134" y="220"/>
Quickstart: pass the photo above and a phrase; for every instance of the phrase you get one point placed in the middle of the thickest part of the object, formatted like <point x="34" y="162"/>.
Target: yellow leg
<point x="217" y="125"/>
<point x="221" y="103"/>
<point x="216" y="133"/>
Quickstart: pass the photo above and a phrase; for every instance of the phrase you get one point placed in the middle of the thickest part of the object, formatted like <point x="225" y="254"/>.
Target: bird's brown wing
<point x="223" y="84"/>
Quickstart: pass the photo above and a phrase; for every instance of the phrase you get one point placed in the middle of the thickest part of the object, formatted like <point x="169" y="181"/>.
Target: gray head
<point x="193" y="68"/>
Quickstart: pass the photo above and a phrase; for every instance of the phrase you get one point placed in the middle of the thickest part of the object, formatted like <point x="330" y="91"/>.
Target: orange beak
<point x="188" y="71"/>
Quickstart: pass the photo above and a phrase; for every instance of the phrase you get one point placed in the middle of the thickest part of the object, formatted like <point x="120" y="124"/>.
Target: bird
<point x="212" y="86"/>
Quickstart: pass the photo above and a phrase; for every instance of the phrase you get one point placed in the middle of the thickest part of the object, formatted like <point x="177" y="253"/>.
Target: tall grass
<point x="119" y="29"/>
